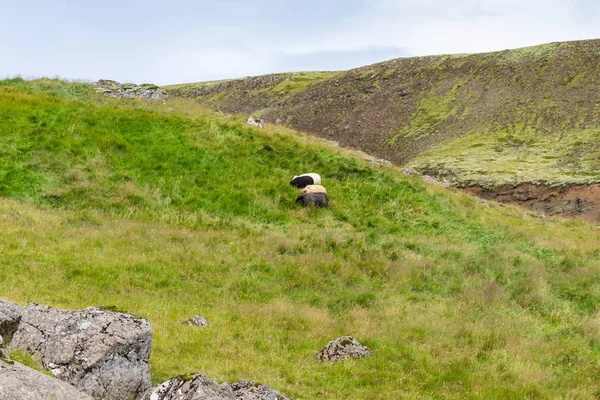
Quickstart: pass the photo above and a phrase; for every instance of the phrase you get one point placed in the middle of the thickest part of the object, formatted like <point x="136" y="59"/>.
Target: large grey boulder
<point x="201" y="387"/>
<point x="195" y="387"/>
<point x="342" y="348"/>
<point x="18" y="382"/>
<point x="103" y="353"/>
<point x="10" y="316"/>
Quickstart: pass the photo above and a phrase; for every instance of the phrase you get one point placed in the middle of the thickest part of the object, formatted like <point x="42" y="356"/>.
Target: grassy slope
<point x="167" y="214"/>
<point x="532" y="113"/>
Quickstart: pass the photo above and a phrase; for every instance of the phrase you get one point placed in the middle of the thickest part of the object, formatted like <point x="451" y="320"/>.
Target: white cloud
<point x="190" y="41"/>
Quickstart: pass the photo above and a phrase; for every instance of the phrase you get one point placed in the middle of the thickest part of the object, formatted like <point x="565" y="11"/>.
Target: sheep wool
<point x="314" y="189"/>
<point x="301" y="181"/>
<point x="318" y="199"/>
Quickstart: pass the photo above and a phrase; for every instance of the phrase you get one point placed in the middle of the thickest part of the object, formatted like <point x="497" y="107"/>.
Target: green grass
<point x="299" y="81"/>
<point x="171" y="213"/>
<point x="28" y="360"/>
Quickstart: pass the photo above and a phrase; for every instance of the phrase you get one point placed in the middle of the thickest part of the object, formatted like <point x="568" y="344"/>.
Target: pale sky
<point x="177" y="41"/>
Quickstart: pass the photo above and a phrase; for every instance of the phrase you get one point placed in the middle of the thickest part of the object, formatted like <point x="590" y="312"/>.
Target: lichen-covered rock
<point x="246" y="390"/>
<point x="195" y="387"/>
<point x="201" y="387"/>
<point x="10" y="316"/>
<point x="114" y="89"/>
<point x="196" y="320"/>
<point x="18" y="382"/>
<point x="103" y="353"/>
<point x="342" y="348"/>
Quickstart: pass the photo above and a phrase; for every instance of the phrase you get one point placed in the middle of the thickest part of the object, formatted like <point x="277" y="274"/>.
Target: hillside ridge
<point x="444" y="113"/>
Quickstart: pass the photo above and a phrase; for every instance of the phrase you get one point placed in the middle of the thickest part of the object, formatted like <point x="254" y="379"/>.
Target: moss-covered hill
<point x="168" y="210"/>
<point x="507" y="117"/>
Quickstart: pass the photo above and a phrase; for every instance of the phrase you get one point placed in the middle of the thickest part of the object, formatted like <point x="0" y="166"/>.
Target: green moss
<point x="28" y="360"/>
<point x="516" y="155"/>
<point x="297" y="82"/>
<point x="431" y="112"/>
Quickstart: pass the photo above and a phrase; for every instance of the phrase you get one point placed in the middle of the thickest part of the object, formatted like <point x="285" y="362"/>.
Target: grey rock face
<point x="196" y="320"/>
<point x="342" y="348"/>
<point x="255" y="122"/>
<point x="10" y="316"/>
<point x="246" y="390"/>
<point x="196" y="387"/>
<point x="129" y="90"/>
<point x="18" y="382"/>
<point x="201" y="387"/>
<point x="103" y="353"/>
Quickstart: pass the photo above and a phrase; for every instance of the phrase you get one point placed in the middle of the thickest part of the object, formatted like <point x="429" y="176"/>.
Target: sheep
<point x="313" y="189"/>
<point x="301" y="181"/>
<point x="318" y="199"/>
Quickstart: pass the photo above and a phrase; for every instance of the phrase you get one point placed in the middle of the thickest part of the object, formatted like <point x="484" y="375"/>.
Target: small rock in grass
<point x="342" y="348"/>
<point x="196" y="320"/>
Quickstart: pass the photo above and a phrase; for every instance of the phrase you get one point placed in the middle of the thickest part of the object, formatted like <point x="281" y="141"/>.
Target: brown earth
<point x="573" y="201"/>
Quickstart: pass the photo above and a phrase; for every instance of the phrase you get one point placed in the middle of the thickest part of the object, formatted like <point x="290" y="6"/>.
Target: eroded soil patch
<point x="573" y="201"/>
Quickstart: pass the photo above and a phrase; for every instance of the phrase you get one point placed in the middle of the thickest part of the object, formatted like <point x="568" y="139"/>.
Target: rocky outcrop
<point x="102" y="353"/>
<point x="18" y="382"/>
<point x="342" y="348"/>
<point x="129" y="90"/>
<point x="10" y="316"/>
<point x="201" y="387"/>
<point x="195" y="387"/>
<point x="258" y="122"/>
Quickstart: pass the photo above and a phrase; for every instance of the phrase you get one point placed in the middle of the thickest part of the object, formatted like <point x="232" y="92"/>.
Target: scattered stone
<point x="483" y="202"/>
<point x="1" y="342"/>
<point x="377" y="161"/>
<point x="196" y="320"/>
<point x="102" y="353"/>
<point x="256" y="122"/>
<point x="410" y="171"/>
<point x="246" y="390"/>
<point x="144" y="91"/>
<point x="342" y="348"/>
<point x="278" y="121"/>
<point x="18" y="382"/>
<point x="194" y="387"/>
<point x="444" y="182"/>
<point x="10" y="316"/>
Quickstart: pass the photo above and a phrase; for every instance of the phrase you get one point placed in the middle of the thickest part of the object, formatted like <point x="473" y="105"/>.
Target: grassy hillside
<point x="166" y="211"/>
<point x="530" y="114"/>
